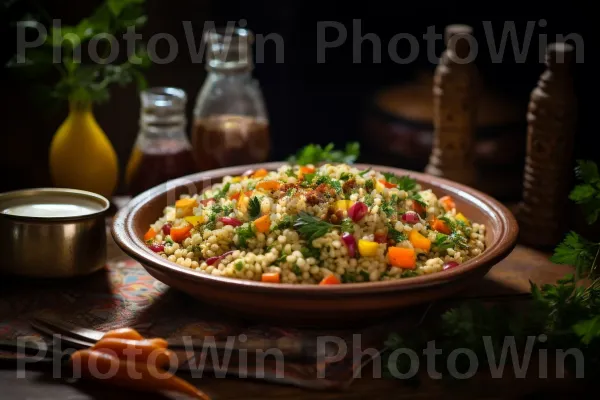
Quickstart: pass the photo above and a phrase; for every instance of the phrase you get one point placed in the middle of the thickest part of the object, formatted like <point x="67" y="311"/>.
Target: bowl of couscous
<point x="315" y="242"/>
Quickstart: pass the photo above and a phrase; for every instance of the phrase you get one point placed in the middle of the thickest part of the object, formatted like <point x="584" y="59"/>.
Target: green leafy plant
<point x="315" y="154"/>
<point x="567" y="312"/>
<point x="85" y="78"/>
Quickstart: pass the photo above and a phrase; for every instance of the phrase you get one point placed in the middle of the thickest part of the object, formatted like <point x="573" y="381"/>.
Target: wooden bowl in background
<point x="314" y="305"/>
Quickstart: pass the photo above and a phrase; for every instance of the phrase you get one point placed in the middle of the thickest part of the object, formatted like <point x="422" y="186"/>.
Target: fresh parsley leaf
<point x="315" y="154"/>
<point x="347" y="225"/>
<point x="344" y="176"/>
<point x="311" y="227"/>
<point x="365" y="275"/>
<point x="369" y="185"/>
<point x="368" y="200"/>
<point x="223" y="192"/>
<point x="239" y="265"/>
<point x="227" y="210"/>
<point x="290" y="173"/>
<point x="388" y="208"/>
<point x="396" y="235"/>
<point x="244" y="233"/>
<point x="290" y="192"/>
<point x="296" y="270"/>
<point x="307" y="179"/>
<point x="576" y="251"/>
<point x="588" y="330"/>
<point x="587" y="194"/>
<point x="169" y="241"/>
<point x="253" y="207"/>
<point x="454" y="240"/>
<point x="286" y="222"/>
<point x="366" y="171"/>
<point x="405" y="182"/>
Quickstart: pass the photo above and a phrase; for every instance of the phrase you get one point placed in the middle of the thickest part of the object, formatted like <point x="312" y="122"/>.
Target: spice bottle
<point x="455" y="89"/>
<point x="231" y="125"/>
<point x="551" y="118"/>
<point x="162" y="150"/>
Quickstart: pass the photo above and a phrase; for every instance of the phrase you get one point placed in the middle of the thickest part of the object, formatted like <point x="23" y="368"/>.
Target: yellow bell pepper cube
<point x="367" y="248"/>
<point x="343" y="204"/>
<point x="462" y="218"/>
<point x="194" y="220"/>
<point x="236" y="179"/>
<point x="379" y="186"/>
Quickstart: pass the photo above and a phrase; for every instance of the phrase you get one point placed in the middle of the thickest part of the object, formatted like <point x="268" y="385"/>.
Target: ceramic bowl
<point x="313" y="304"/>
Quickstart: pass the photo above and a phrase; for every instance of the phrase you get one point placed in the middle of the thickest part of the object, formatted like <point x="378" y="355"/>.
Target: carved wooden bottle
<point x="455" y="90"/>
<point x="551" y="118"/>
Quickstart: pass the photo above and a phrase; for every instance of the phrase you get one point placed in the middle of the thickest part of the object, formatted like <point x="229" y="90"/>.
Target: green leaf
<point x="575" y="251"/>
<point x="405" y="182"/>
<point x="253" y="207"/>
<point x="587" y="171"/>
<point x="588" y="330"/>
<point x="311" y="227"/>
<point x="315" y="154"/>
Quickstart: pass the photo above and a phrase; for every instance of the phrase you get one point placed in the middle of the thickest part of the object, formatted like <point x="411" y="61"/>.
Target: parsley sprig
<point x="315" y="154"/>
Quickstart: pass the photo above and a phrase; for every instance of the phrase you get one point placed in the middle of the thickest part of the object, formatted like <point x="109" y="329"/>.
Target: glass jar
<point x="162" y="150"/>
<point x="231" y="125"/>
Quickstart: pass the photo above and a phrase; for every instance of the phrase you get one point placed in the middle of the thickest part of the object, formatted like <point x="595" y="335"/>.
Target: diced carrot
<point x="268" y="185"/>
<point x="387" y="184"/>
<point x="419" y="241"/>
<point x="260" y="173"/>
<point x="305" y="170"/>
<point x="418" y="208"/>
<point x="447" y="202"/>
<point x="402" y="257"/>
<point x="330" y="280"/>
<point x="271" y="277"/>
<point x="235" y="196"/>
<point x="180" y="234"/>
<point x="150" y="234"/>
<point x="123" y="333"/>
<point x="440" y="226"/>
<point x="186" y="203"/>
<point x="263" y="224"/>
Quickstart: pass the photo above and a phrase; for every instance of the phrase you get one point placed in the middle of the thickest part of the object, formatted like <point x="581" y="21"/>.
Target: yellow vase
<point x="81" y="156"/>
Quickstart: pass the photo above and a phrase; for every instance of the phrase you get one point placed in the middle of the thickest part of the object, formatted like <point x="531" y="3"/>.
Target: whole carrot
<point x="141" y="350"/>
<point x="146" y="378"/>
<point x="123" y="333"/>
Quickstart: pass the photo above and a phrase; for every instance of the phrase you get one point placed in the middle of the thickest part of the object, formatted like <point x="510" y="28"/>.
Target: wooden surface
<point x="507" y="281"/>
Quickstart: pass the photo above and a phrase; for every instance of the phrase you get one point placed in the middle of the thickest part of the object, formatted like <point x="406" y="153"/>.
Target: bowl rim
<point x="123" y="233"/>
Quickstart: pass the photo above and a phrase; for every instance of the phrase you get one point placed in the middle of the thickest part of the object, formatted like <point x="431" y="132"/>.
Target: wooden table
<point x="506" y="282"/>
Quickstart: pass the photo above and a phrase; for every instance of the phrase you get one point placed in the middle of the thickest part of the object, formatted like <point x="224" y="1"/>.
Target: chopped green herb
<point x="347" y="225"/>
<point x="169" y="241"/>
<point x="409" y="273"/>
<point x="290" y="173"/>
<point x="369" y="185"/>
<point x="239" y="265"/>
<point x="286" y="222"/>
<point x="227" y="210"/>
<point x="336" y="185"/>
<point x="253" y="207"/>
<point x="368" y="200"/>
<point x="366" y="171"/>
<point x="291" y="192"/>
<point x="348" y="277"/>
<point x="417" y="198"/>
<point x="216" y="208"/>
<point x="454" y="240"/>
<point x="365" y="275"/>
<point x="251" y="185"/>
<point x="296" y="270"/>
<point x="149" y="241"/>
<point x="244" y="233"/>
<point x="388" y="208"/>
<point x="395" y="234"/>
<point x="307" y="179"/>
<point x="344" y="176"/>
<point x="223" y="192"/>
<point x="281" y="258"/>
<point x="310" y="251"/>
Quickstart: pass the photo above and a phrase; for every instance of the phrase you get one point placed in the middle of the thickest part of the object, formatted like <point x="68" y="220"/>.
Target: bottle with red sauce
<point x="231" y="125"/>
<point x="162" y="151"/>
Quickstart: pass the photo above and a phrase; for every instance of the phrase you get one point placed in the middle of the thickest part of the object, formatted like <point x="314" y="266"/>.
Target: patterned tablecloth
<point x="123" y="294"/>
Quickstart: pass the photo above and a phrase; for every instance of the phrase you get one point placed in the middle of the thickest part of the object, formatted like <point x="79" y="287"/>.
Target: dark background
<point x="307" y="101"/>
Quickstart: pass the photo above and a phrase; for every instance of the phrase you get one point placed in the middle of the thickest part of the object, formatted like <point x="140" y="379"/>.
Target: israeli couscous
<point x="330" y="224"/>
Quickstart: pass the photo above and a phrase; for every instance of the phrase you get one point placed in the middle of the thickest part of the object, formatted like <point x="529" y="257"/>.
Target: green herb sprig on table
<point x="83" y="79"/>
<point x="567" y="312"/>
<point x="315" y="154"/>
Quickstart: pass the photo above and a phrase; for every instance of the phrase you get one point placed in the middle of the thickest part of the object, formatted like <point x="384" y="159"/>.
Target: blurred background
<point x="384" y="105"/>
